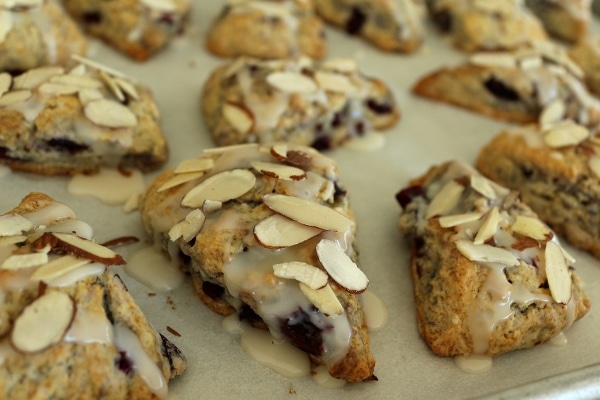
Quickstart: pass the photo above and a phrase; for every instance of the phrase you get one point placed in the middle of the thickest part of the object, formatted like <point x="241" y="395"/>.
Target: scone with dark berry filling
<point x="320" y="104"/>
<point x="267" y="29"/>
<point x="266" y="232"/>
<point x="488" y="276"/>
<point x="68" y="326"/>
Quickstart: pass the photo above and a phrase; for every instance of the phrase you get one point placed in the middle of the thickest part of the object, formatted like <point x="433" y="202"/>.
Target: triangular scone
<point x="267" y="29"/>
<point x="295" y="100"/>
<point x="389" y="25"/>
<point x="54" y="121"/>
<point x="68" y="327"/>
<point x="514" y="86"/>
<point x="478" y="25"/>
<point x="489" y="277"/>
<point x="34" y="33"/>
<point x="251" y="223"/>
<point x="138" y="28"/>
<point x="564" y="19"/>
<point x="556" y="169"/>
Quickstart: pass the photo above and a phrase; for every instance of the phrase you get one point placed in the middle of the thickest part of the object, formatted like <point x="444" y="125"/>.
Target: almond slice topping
<point x="486" y="253"/>
<point x="160" y="5"/>
<point x="557" y="272"/>
<point x="43" y="323"/>
<point x="566" y="133"/>
<point x="531" y="227"/>
<point x="313" y="277"/>
<point x="277" y="231"/>
<point x="97" y="66"/>
<point x="18" y="261"/>
<point x="347" y="65"/>
<point x="445" y="200"/>
<point x="279" y="171"/>
<point x="239" y="117"/>
<point x="221" y="187"/>
<point x="483" y="186"/>
<point x="211" y="206"/>
<point x="180" y="179"/>
<point x="75" y="245"/>
<point x="450" y="221"/>
<point x="112" y="85"/>
<point x="88" y="95"/>
<point x="491" y="59"/>
<point x="109" y="113"/>
<point x="58" y="267"/>
<point x="189" y="227"/>
<point x="334" y="82"/>
<point x="324" y="299"/>
<point x="594" y="164"/>
<point x="291" y="82"/>
<point x="489" y="227"/>
<point x="308" y="212"/>
<point x="81" y="81"/>
<point x="127" y="87"/>
<point x="57" y="89"/>
<point x="340" y="267"/>
<point x="195" y="165"/>
<point x="5" y="82"/>
<point x="8" y="240"/>
<point x="14" y="224"/>
<point x="15" y="97"/>
<point x="35" y="77"/>
<point x="552" y="113"/>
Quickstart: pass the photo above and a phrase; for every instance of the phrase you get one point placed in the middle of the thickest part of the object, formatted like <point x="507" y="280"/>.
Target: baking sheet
<point x="428" y="133"/>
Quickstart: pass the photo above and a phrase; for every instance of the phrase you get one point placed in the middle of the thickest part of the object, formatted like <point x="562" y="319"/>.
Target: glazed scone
<point x="267" y="29"/>
<point x="568" y="20"/>
<point x="259" y="228"/>
<point x="484" y="25"/>
<point x="489" y="277"/>
<point x="54" y="121"/>
<point x="34" y="33"/>
<point x="394" y="26"/>
<point x="586" y="53"/>
<point x="296" y="100"/>
<point x="68" y="326"/>
<point x="514" y="86"/>
<point x="557" y="170"/>
<point x="138" y="28"/>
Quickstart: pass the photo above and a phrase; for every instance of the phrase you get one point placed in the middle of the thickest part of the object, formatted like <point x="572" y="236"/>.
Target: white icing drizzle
<point x="321" y="375"/>
<point x="473" y="363"/>
<point x="109" y="185"/>
<point x="76" y="226"/>
<point x="90" y="328"/>
<point x="127" y="341"/>
<point x="70" y="278"/>
<point x="154" y="269"/>
<point x="51" y="214"/>
<point x="375" y="310"/>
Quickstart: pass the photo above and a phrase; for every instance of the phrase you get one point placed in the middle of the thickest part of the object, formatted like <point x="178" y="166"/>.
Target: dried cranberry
<point x="378" y="108"/>
<point x="92" y="17"/>
<point x="212" y="290"/>
<point x="501" y="90"/>
<point x="248" y="314"/>
<point x="322" y="143"/>
<point x="339" y="192"/>
<point x="356" y="21"/>
<point x="442" y="19"/>
<point x="167" y="19"/>
<point x="124" y="363"/>
<point x="66" y="145"/>
<point x="302" y="333"/>
<point x="406" y="195"/>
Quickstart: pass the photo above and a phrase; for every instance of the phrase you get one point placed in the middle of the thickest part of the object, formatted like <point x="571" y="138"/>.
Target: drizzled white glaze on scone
<point x="68" y="326"/>
<point x="489" y="277"/>
<point x="266" y="232"/>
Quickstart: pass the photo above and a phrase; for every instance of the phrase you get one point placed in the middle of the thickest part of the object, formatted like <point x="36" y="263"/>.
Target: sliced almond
<point x="486" y="253"/>
<point x="297" y="156"/>
<point x="557" y="272"/>
<point x="530" y="62"/>
<point x="195" y="165"/>
<point x="58" y="267"/>
<point x="180" y="179"/>
<point x="88" y="95"/>
<point x="340" y="267"/>
<point x="160" y="5"/>
<point x="324" y="299"/>
<point x="210" y="206"/>
<point x="35" y="77"/>
<point x="450" y="221"/>
<point x="308" y="212"/>
<point x="112" y="85"/>
<point x="291" y="82"/>
<point x="552" y="113"/>
<point x="221" y="187"/>
<point x="279" y="171"/>
<point x="566" y="134"/>
<point x="81" y="81"/>
<point x="14" y="224"/>
<point x="445" y="200"/>
<point x="483" y="186"/>
<point x="19" y="261"/>
<point x="5" y="82"/>
<point x="15" y="97"/>
<point x="43" y="323"/>
<point x="313" y="277"/>
<point x="79" y="69"/>
<point x="531" y="227"/>
<point x="347" y="65"/>
<point x="8" y="240"/>
<point x="240" y="118"/>
<point x="97" y="66"/>
<point x="189" y="227"/>
<point x="57" y="89"/>
<point x="491" y="59"/>
<point x="489" y="227"/>
<point x="127" y="87"/>
<point x="277" y="231"/>
<point x="75" y="245"/>
<point x="109" y="113"/>
<point x="594" y="164"/>
<point x="333" y="82"/>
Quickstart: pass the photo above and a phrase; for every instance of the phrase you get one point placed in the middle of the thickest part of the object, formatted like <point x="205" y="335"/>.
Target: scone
<point x="138" y="28"/>
<point x="34" y="33"/>
<point x="296" y="100"/>
<point x="54" y="121"/>
<point x="557" y="170"/>
<point x="68" y="327"/>
<point x="484" y="25"/>
<point x="266" y="232"/>
<point x="514" y="86"/>
<point x="394" y="26"/>
<point x="586" y="53"/>
<point x="568" y="20"/>
<point x="489" y="277"/>
<point x="267" y="29"/>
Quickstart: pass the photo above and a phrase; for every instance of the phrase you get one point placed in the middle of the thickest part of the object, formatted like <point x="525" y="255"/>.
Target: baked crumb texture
<point x="274" y="208"/>
<point x="68" y="326"/>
